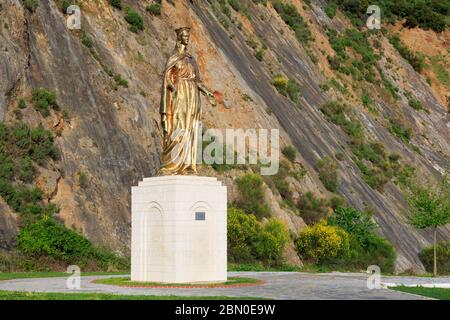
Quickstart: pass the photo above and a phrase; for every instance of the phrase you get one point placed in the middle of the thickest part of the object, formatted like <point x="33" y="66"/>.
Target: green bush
<point x="120" y="81"/>
<point x="116" y="3"/>
<point x="22" y="104"/>
<point x="43" y="99"/>
<point x="252" y="195"/>
<point x="400" y="130"/>
<point x="328" y="173"/>
<point x="154" y="8"/>
<point x="83" y="180"/>
<point x="271" y="241"/>
<point x="367" y="248"/>
<point x="443" y="258"/>
<point x="259" y="55"/>
<point x="331" y="9"/>
<point x="280" y="83"/>
<point x="294" y="20"/>
<point x="416" y="61"/>
<point x="51" y="238"/>
<point x="242" y="230"/>
<point x="289" y="152"/>
<point x="86" y="40"/>
<point x="312" y="209"/>
<point x="293" y="90"/>
<point x="340" y="115"/>
<point x="134" y="19"/>
<point x="249" y="241"/>
<point x="322" y="243"/>
<point x="427" y="14"/>
<point x="31" y="5"/>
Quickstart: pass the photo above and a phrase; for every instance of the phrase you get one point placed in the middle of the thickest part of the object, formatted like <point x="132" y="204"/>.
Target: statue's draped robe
<point x="182" y="109"/>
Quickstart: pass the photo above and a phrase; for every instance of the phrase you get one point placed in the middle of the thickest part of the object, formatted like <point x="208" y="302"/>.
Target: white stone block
<point x="168" y="244"/>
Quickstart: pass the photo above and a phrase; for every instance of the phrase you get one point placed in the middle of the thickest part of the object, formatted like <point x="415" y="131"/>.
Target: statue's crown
<point x="179" y="30"/>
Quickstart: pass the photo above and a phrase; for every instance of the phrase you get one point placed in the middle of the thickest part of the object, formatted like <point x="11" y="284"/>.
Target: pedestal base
<point x="179" y="230"/>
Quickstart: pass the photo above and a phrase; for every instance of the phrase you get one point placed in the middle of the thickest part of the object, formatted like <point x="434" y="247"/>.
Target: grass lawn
<point x="124" y="282"/>
<point x="24" y="275"/>
<point x="437" y="293"/>
<point x="14" y="295"/>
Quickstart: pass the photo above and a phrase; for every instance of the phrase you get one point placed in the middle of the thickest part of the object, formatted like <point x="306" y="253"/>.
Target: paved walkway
<point x="277" y="285"/>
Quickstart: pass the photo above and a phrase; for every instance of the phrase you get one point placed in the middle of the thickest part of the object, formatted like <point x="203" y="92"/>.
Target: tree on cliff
<point x="430" y="208"/>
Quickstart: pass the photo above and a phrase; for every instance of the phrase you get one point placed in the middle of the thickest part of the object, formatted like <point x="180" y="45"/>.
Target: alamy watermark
<point x="374" y="280"/>
<point x="73" y="282"/>
<point x="374" y="20"/>
<point x="231" y="147"/>
<point x="73" y="21"/>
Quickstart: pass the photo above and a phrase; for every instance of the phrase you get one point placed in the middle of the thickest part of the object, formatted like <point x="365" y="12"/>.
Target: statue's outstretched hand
<point x="211" y="99"/>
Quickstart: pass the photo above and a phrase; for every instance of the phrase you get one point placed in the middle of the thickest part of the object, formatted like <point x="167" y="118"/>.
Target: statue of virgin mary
<point x="180" y="109"/>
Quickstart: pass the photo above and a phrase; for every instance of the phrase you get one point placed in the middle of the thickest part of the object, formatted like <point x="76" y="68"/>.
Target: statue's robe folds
<point x="182" y="108"/>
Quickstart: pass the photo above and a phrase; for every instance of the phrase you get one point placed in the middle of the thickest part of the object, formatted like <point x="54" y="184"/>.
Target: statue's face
<point x="184" y="37"/>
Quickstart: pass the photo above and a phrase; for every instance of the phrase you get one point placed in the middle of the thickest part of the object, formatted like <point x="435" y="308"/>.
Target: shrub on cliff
<point x="251" y="198"/>
<point x="442" y="260"/>
<point x="328" y="173"/>
<point x="322" y="243"/>
<point x="116" y="3"/>
<point x="250" y="241"/>
<point x="134" y="19"/>
<point x="48" y="237"/>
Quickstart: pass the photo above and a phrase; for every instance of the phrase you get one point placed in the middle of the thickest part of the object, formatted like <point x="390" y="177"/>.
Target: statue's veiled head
<point x="183" y="35"/>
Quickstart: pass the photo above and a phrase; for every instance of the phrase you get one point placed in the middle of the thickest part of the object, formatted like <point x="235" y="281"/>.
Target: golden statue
<point x="180" y="109"/>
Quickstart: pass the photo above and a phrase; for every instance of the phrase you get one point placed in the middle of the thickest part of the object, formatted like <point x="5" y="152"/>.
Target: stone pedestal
<point x="179" y="230"/>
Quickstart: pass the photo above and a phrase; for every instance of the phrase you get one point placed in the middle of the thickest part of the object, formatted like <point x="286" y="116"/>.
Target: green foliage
<point x="43" y="99"/>
<point x="399" y="130"/>
<point x="116" y="4"/>
<point x="328" y="173"/>
<point x="154" y="8"/>
<point x="294" y="20"/>
<point x="22" y="104"/>
<point x="280" y="83"/>
<point x="65" y="4"/>
<point x="442" y="255"/>
<point x="416" y="61"/>
<point x="120" y="81"/>
<point x="288" y="88"/>
<point x="429" y="205"/>
<point x="259" y="55"/>
<point x="252" y="195"/>
<point x="250" y="241"/>
<point x="366" y="247"/>
<point x="362" y="66"/>
<point x="312" y="209"/>
<point x="83" y="180"/>
<point x="241" y="7"/>
<point x="290" y="153"/>
<point x="438" y="66"/>
<point x="293" y="90"/>
<point x="30" y="5"/>
<point x="415" y="104"/>
<point x="134" y="19"/>
<point x="331" y="10"/>
<point x="86" y="40"/>
<point x="271" y="241"/>
<point x="339" y="114"/>
<point x="322" y="243"/>
<point x="50" y="238"/>
<point x="427" y="14"/>
<point x="370" y="157"/>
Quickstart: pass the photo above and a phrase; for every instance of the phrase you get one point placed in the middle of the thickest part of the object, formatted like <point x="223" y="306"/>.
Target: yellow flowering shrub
<point x="322" y="242"/>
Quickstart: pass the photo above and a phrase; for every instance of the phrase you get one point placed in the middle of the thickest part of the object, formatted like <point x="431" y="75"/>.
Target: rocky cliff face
<point x="109" y="132"/>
